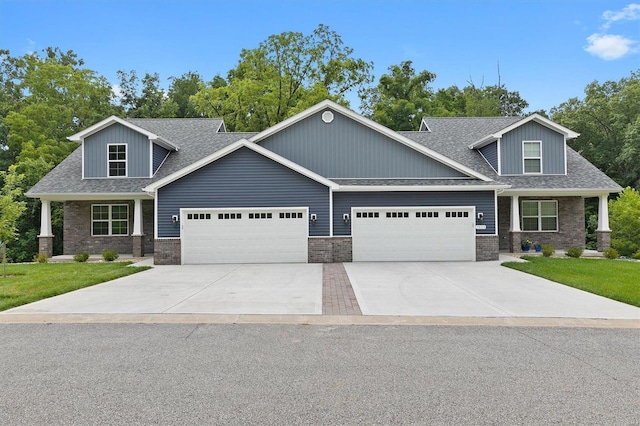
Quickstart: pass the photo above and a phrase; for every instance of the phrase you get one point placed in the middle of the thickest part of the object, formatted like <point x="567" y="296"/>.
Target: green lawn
<point x="615" y="279"/>
<point x="26" y="283"/>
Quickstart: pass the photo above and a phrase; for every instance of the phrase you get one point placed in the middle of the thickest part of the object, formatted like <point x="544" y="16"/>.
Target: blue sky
<point x="547" y="50"/>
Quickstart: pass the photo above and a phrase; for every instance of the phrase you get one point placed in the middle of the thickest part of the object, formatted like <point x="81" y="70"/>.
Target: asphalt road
<point x="301" y="374"/>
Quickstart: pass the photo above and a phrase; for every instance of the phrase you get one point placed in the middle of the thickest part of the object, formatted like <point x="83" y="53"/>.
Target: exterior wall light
<point x="175" y="218"/>
<point x="345" y="217"/>
<point x="313" y="217"/>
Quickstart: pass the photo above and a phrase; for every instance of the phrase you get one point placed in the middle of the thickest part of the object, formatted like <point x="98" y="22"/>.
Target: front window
<point x="117" y="160"/>
<point x="109" y="219"/>
<point x="539" y="215"/>
<point x="532" y="155"/>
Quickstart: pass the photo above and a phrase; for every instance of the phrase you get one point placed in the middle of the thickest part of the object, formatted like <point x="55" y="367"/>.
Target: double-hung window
<point x="109" y="219"/>
<point x="532" y="156"/>
<point x="540" y="215"/>
<point x="117" y="160"/>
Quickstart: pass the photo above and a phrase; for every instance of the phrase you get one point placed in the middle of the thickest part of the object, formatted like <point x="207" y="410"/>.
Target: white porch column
<point x="137" y="217"/>
<point x="603" y="213"/>
<point x="515" y="214"/>
<point x="45" y="219"/>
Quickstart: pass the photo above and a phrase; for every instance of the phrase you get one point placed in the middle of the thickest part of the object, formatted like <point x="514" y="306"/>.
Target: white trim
<point x="161" y="163"/>
<point x="80" y="136"/>
<point x="485" y="159"/>
<point x="565" y="156"/>
<point x="82" y="148"/>
<point x="45" y="218"/>
<point x="242" y="143"/>
<point x="424" y="125"/>
<point x="495" y="214"/>
<point x="92" y="196"/>
<point x="126" y="159"/>
<point x="150" y="159"/>
<point x="603" y="214"/>
<point x="224" y="128"/>
<point x="408" y="188"/>
<point x="498" y="142"/>
<point x="372" y="125"/>
<point x="568" y="133"/>
<point x="562" y="192"/>
<point x="524" y="158"/>
<point x="330" y="212"/>
<point x="514" y="217"/>
<point x="155" y="220"/>
<point x="137" y="217"/>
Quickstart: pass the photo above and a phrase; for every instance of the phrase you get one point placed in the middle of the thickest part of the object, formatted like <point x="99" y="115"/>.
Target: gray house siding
<point x="95" y="151"/>
<point x="243" y="178"/>
<point x="344" y="201"/>
<point x="553" y="149"/>
<point x="490" y="153"/>
<point x="159" y="154"/>
<point x="345" y="148"/>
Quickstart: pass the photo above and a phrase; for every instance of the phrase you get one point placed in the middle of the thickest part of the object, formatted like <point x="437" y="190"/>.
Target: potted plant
<point x="537" y="247"/>
<point x="526" y="244"/>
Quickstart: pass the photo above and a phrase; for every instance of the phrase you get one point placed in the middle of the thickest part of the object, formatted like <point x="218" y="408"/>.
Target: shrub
<point x="548" y="250"/>
<point x="625" y="222"/>
<point x="109" y="255"/>
<point x="81" y="256"/>
<point x="624" y="247"/>
<point x="40" y="258"/>
<point x="611" y="253"/>
<point x="574" y="252"/>
<point x="636" y="255"/>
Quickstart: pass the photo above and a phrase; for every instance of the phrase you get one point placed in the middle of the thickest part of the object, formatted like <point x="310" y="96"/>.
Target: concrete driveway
<point x="221" y="289"/>
<point x="430" y="289"/>
<point x="472" y="289"/>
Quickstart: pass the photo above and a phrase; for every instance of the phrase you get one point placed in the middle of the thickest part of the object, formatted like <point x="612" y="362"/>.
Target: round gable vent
<point x="327" y="116"/>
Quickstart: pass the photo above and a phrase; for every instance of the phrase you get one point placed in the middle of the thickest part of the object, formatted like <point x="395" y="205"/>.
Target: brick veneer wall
<point x="330" y="249"/>
<point x="570" y="224"/>
<point x="167" y="252"/>
<point x="77" y="229"/>
<point x="487" y="247"/>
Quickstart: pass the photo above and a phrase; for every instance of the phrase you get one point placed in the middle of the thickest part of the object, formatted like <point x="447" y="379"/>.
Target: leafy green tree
<point x="181" y="90"/>
<point x="144" y="98"/>
<point x="285" y="74"/>
<point x="608" y="120"/>
<point x="400" y="99"/>
<point x="10" y="209"/>
<point x="625" y="222"/>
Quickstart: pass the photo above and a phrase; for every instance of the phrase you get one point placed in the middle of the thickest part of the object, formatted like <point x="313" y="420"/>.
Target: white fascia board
<point x="424" y="125"/>
<point x="221" y="127"/>
<point x="91" y="196"/>
<point x="568" y="133"/>
<point x="421" y="188"/>
<point x="559" y="192"/>
<point x="231" y="148"/>
<point x="372" y="125"/>
<point x="80" y="136"/>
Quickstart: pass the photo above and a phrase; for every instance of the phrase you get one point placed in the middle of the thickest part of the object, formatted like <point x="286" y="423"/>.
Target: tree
<point x="181" y="90"/>
<point x="10" y="210"/>
<point x="144" y="98"/>
<point x="608" y="120"/>
<point x="285" y="74"/>
<point x="625" y="222"/>
<point x="400" y="99"/>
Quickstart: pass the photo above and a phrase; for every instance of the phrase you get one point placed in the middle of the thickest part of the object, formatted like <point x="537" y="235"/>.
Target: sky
<point x="546" y="50"/>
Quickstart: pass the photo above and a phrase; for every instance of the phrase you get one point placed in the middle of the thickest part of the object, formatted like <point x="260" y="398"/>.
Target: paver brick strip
<point x="338" y="297"/>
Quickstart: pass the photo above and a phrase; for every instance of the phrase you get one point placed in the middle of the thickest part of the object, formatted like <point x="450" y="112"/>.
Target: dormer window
<point x="532" y="156"/>
<point x="117" y="160"/>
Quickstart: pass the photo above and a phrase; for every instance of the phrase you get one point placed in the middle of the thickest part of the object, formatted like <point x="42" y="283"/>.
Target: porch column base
<point x="138" y="245"/>
<point x="515" y="242"/>
<point x="45" y="245"/>
<point x="604" y="240"/>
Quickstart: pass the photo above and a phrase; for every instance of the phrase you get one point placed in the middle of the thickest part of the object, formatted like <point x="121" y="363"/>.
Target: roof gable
<point x="228" y="150"/>
<point x="330" y="106"/>
<point x="80" y="136"/>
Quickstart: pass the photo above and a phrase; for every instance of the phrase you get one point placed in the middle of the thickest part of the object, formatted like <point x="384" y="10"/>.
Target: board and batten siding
<point x="484" y="201"/>
<point x="95" y="151"/>
<point x="553" y="149"/>
<point x="243" y="178"/>
<point x="490" y="153"/>
<point x="345" y="148"/>
<point x="159" y="154"/>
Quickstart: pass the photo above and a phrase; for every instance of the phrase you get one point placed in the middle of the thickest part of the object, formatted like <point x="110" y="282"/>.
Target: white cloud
<point x="610" y="47"/>
<point x="628" y="13"/>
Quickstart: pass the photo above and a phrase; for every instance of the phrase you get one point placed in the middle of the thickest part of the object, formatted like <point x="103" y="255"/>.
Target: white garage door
<point x="413" y="234"/>
<point x="244" y="235"/>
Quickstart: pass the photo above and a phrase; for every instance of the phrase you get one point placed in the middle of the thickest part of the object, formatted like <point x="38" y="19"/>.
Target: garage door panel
<point x="413" y="234"/>
<point x="245" y="236"/>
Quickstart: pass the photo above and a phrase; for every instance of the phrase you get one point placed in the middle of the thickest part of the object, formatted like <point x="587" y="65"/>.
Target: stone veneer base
<point x="45" y="245"/>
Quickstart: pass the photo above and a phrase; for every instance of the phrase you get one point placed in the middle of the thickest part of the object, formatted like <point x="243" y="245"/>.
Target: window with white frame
<point x="539" y="215"/>
<point x="117" y="160"/>
<point x="109" y="219"/>
<point x="532" y="156"/>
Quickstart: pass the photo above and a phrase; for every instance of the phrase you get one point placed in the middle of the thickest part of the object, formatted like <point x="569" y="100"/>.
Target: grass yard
<point x="615" y="279"/>
<point x="26" y="283"/>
